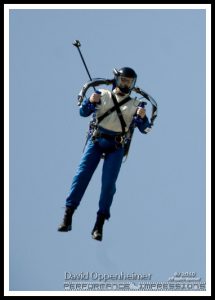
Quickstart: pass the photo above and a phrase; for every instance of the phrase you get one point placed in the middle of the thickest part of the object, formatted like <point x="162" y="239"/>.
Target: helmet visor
<point x="126" y="83"/>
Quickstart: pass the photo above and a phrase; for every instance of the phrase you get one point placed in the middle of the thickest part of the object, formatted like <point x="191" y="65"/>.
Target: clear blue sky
<point x="157" y="222"/>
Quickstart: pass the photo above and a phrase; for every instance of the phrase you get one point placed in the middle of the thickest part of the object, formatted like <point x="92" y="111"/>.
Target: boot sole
<point x="97" y="237"/>
<point x="66" y="229"/>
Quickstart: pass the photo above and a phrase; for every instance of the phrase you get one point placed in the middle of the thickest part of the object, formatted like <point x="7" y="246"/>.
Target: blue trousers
<point x="88" y="164"/>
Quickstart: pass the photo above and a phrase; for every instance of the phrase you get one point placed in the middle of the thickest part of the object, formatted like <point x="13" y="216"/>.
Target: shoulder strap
<point x="119" y="113"/>
<point x="116" y="108"/>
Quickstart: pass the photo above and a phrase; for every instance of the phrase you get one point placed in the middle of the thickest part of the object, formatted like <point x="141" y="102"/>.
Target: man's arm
<point x="142" y="121"/>
<point x="88" y="106"/>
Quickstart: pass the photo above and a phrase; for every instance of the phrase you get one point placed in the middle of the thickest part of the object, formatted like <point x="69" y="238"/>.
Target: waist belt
<point x="116" y="138"/>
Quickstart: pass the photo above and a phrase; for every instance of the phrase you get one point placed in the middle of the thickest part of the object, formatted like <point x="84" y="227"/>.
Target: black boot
<point x="67" y="220"/>
<point x="98" y="227"/>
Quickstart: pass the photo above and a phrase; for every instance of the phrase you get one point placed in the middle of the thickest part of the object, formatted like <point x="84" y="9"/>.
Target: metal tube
<point x="77" y="44"/>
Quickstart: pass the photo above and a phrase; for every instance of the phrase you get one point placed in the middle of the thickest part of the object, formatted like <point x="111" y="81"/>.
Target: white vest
<point x="112" y="122"/>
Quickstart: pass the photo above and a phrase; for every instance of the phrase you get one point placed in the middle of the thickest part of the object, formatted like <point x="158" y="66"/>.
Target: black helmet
<point x="118" y="77"/>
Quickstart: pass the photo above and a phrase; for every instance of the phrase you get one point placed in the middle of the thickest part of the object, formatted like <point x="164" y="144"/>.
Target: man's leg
<point x="87" y="166"/>
<point x="110" y="171"/>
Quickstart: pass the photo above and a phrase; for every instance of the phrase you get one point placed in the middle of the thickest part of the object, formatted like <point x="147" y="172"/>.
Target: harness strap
<point x="116" y="108"/>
